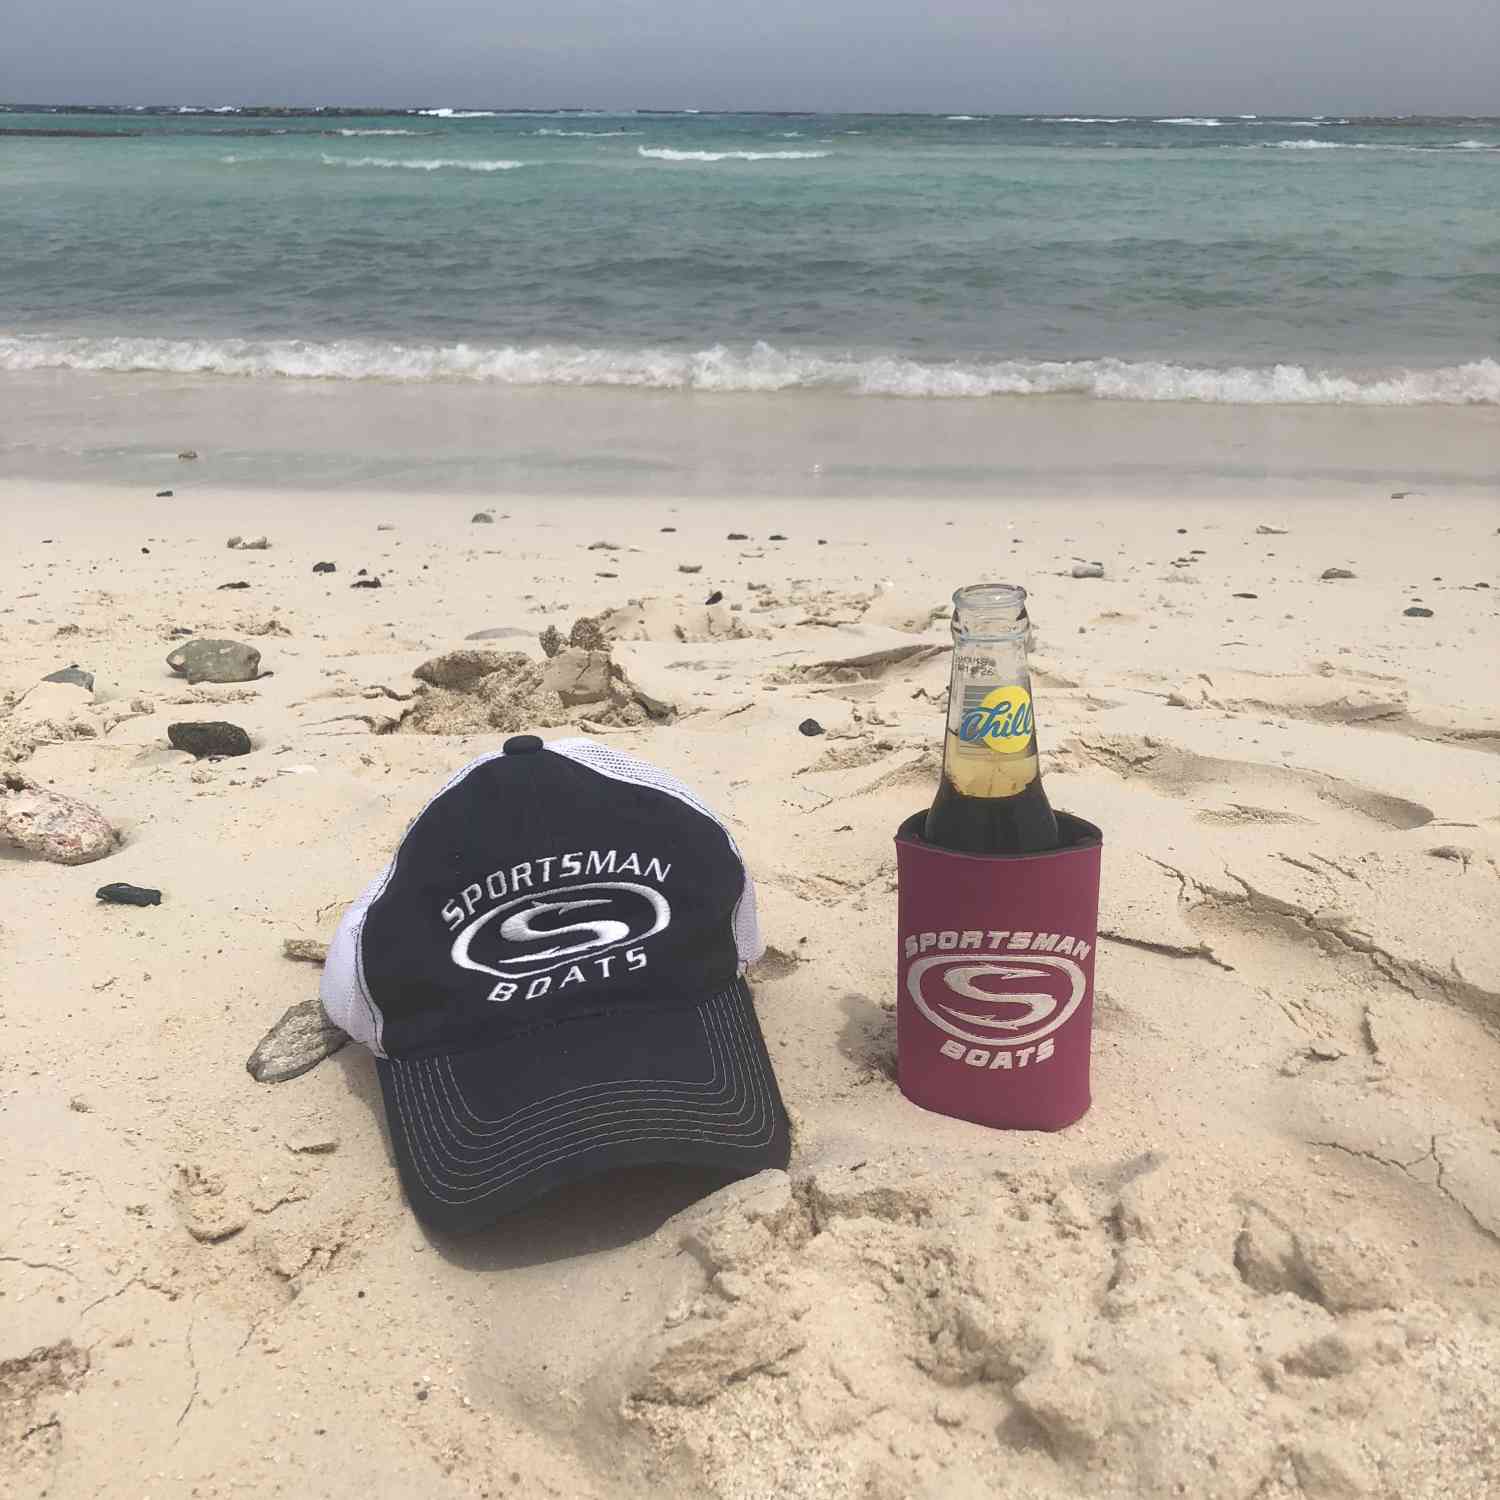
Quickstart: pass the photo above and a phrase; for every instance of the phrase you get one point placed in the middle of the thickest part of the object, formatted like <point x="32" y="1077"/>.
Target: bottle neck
<point x="990" y="747"/>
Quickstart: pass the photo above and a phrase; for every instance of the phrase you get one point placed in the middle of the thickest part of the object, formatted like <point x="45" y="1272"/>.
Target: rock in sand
<point x="1088" y="570"/>
<point x="299" y="1041"/>
<point x="215" y="661"/>
<point x="461" y="669"/>
<point x="1329" y="574"/>
<point x="248" y="543"/>
<point x="59" y="829"/>
<point x="74" y="676"/>
<point x="202" y="737"/>
<point x="578" y="676"/>
<point x="307" y="950"/>
<point x="120" y="893"/>
<point x="325" y="567"/>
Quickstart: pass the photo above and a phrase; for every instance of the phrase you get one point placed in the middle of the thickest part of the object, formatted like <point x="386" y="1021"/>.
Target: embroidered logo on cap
<point x="557" y="933"/>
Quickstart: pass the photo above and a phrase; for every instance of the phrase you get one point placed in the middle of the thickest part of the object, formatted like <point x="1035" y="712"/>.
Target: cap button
<point x="522" y="744"/>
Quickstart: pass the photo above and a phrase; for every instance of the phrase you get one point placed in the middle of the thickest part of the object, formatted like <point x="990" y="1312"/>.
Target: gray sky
<point x="1014" y="56"/>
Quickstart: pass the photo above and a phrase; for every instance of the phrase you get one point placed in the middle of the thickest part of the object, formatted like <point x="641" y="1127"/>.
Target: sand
<point x="1266" y="1264"/>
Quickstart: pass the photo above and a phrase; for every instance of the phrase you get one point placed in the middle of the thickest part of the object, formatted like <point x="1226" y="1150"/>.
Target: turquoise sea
<point x="1306" y="259"/>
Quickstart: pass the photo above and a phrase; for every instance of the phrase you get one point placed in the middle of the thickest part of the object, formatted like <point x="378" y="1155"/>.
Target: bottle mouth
<point x="991" y="611"/>
<point x="992" y="597"/>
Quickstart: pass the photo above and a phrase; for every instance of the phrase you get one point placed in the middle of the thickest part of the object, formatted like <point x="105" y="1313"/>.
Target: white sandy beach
<point x="1265" y="1265"/>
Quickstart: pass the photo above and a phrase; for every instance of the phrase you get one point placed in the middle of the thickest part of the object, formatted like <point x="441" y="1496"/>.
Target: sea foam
<point x="427" y="164"/>
<point x="1315" y="145"/>
<point x="1188" y="120"/>
<point x="759" y="367"/>
<point x="666" y="153"/>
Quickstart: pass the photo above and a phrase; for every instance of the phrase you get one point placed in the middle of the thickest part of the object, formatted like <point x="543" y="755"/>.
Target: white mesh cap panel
<point x="345" y="1000"/>
<point x="618" y="766"/>
<point x="344" y="994"/>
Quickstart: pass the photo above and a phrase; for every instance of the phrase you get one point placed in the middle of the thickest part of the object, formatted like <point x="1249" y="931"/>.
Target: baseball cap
<point x="551" y="975"/>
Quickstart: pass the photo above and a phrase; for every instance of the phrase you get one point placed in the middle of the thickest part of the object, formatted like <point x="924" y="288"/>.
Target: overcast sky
<point x="1011" y="56"/>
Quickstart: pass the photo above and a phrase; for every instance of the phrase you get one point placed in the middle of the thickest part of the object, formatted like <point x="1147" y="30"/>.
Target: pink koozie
<point x="995" y="973"/>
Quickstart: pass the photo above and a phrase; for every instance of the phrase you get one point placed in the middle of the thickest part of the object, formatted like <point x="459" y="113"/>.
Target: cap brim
<point x="478" y="1134"/>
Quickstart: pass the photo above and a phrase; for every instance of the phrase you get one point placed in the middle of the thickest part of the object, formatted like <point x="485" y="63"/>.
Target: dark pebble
<point x="1416" y="612"/>
<point x="481" y="518"/>
<point x="121" y="894"/>
<point x="822" y="541"/>
<point x="163" y="494"/>
<point x="365" y="583"/>
<point x="606" y="575"/>
<point x="1247" y="596"/>
<point x="737" y="536"/>
<point x="775" y="536"/>
<point x="669" y="528"/>
<point x="202" y="737"/>
<point x="241" y="584"/>
<point x="810" y="727"/>
<point x="714" y="597"/>
<point x="1182" y="531"/>
<point x="324" y="567"/>
<point x="1481" y="585"/>
<point x="146" y="550"/>
<point x="1331" y="573"/>
<point x="74" y="676"/>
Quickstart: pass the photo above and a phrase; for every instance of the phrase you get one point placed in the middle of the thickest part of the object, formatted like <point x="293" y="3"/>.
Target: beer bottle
<point x="990" y="800"/>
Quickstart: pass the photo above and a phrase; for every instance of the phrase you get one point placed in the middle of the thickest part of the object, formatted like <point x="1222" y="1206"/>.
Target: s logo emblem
<point x="1006" y="1002"/>
<point x="535" y="934"/>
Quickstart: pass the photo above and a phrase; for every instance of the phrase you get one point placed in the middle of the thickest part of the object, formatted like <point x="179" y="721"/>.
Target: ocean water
<point x="1225" y="259"/>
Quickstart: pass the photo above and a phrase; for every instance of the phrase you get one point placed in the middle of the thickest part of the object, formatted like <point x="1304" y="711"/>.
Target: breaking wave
<point x="666" y="153"/>
<point x="415" y="164"/>
<point x="460" y="114"/>
<point x="592" y="134"/>
<point x="1082" y="119"/>
<point x="1315" y="145"/>
<point x="759" y="367"/>
<point x="385" y="132"/>
<point x="1187" y="120"/>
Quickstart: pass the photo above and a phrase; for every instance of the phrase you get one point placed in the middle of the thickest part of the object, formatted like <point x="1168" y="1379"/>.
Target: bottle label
<point x="997" y="718"/>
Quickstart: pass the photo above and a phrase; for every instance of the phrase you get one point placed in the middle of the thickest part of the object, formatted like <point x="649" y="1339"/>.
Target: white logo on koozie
<point x="609" y="915"/>
<point x="1013" y="1013"/>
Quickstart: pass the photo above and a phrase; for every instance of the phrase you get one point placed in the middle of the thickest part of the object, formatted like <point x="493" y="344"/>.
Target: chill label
<point x="1000" y="719"/>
